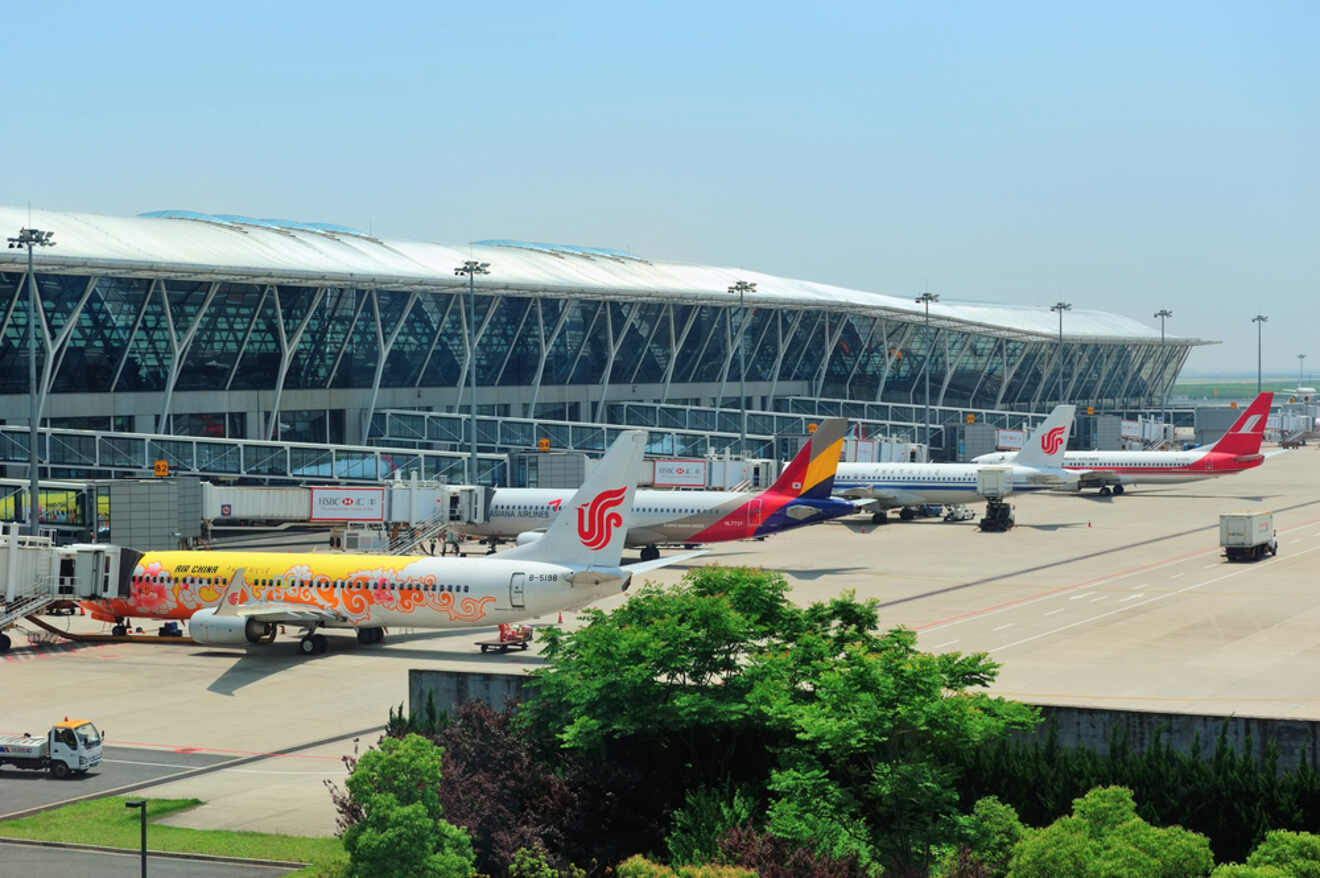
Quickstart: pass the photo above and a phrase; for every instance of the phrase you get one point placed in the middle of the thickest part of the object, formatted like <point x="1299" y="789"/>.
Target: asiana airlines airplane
<point x="236" y="598"/>
<point x="800" y="496"/>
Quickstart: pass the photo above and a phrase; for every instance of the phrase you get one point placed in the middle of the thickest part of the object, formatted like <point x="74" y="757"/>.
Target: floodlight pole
<point x="1300" y="359"/>
<point x="141" y="805"/>
<point x="30" y="238"/>
<point x="1164" y="402"/>
<point x="1061" y="307"/>
<point x="472" y="268"/>
<point x="742" y="287"/>
<point x="1259" y="320"/>
<point x="925" y="299"/>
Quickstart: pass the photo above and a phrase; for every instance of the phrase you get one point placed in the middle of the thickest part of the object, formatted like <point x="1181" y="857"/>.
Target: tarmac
<point x="1121" y="602"/>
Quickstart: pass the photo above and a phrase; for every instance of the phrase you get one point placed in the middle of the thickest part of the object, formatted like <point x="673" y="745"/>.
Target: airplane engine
<point x="208" y="629"/>
<point x="529" y="536"/>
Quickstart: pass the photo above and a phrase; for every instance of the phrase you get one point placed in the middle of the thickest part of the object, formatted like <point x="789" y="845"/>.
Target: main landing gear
<point x="880" y="517"/>
<point x="312" y="644"/>
<point x="121" y="627"/>
<point x="650" y="553"/>
<point x="1117" y="490"/>
<point x="370" y="636"/>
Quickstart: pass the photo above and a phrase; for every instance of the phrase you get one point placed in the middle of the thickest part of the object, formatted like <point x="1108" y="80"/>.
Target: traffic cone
<point x="561" y="617"/>
<point x="1088" y="524"/>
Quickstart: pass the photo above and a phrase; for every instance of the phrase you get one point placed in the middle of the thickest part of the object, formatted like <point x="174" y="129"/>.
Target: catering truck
<point x="70" y="747"/>
<point x="1247" y="536"/>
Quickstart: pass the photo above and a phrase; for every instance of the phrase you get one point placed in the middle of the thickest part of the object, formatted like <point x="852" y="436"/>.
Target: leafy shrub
<point x="773" y="857"/>
<point x="706" y="815"/>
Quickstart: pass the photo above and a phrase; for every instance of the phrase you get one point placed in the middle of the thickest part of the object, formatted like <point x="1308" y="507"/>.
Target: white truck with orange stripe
<point x="70" y="747"/>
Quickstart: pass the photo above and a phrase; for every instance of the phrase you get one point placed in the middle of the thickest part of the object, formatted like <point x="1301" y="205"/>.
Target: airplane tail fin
<point x="811" y="472"/>
<point x="590" y="529"/>
<point x="1247" y="431"/>
<point x="1046" y="445"/>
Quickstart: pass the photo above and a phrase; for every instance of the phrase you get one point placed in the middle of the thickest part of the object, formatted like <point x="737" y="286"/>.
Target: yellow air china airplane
<point x="233" y="598"/>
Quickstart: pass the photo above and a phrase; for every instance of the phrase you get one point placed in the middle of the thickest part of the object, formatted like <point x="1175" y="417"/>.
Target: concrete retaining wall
<point x="1092" y="727"/>
<point x="1077" y="726"/>
<point x="452" y="688"/>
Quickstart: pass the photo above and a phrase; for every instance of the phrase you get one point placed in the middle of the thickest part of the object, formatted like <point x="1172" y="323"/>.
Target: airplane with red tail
<point x="1112" y="471"/>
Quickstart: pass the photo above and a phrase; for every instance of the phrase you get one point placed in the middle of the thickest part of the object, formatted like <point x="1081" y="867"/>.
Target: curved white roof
<point x="183" y="243"/>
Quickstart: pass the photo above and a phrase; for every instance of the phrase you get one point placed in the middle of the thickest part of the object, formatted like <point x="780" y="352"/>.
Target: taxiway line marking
<point x="185" y="775"/>
<point x="1053" y="612"/>
<point x="1030" y="599"/>
<point x="1002" y="627"/>
<point x="1131" y="597"/>
<point x="1158" y="597"/>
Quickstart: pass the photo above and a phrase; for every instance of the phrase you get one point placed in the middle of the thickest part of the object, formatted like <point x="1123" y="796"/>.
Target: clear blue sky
<point x="1125" y="156"/>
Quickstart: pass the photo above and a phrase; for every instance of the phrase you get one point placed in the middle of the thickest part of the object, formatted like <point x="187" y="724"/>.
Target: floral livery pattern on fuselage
<point x="166" y="587"/>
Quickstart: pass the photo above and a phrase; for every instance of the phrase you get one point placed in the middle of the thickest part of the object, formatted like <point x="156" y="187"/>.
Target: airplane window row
<point x="295" y="583"/>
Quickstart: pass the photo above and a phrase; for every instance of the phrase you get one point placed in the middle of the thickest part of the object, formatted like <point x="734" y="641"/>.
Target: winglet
<point x="1048" y="442"/>
<point x="236" y="587"/>
<point x="1249" y="429"/>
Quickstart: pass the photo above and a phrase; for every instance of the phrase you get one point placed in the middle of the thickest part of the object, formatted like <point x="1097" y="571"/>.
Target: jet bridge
<point x="35" y="573"/>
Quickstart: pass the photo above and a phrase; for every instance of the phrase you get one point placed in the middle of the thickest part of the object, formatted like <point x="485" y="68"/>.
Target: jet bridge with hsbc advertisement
<point x="407" y="503"/>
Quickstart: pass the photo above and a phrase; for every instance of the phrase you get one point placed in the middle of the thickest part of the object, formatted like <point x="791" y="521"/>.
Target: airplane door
<point x="517" y="587"/>
<point x="754" y="513"/>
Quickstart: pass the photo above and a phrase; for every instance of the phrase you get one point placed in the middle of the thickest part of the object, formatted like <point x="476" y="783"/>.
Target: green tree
<point x="1296" y="853"/>
<point x="1104" y="838"/>
<point x="401" y="832"/>
<point x="1237" y="870"/>
<point x="707" y="814"/>
<point x="880" y="730"/>
<point x="665" y="670"/>
<point x="989" y="834"/>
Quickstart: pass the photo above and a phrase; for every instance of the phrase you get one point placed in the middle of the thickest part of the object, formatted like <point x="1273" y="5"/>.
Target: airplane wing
<point x="648" y="566"/>
<point x="868" y="495"/>
<point x="269" y="611"/>
<point x="237" y="600"/>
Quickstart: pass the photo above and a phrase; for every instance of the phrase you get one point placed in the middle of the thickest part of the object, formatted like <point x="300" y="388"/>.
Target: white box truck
<point x="70" y="747"/>
<point x="1247" y="536"/>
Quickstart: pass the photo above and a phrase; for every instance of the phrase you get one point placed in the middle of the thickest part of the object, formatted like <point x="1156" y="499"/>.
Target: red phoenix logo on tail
<point x="1050" y="442"/>
<point x="596" y="523"/>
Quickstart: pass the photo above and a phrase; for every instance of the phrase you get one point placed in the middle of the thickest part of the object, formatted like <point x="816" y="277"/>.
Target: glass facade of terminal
<point x="105" y="334"/>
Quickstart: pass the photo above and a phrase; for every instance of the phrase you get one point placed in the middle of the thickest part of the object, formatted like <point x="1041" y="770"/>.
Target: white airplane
<point x="800" y="496"/>
<point x="576" y="562"/>
<point x="1112" y="471"/>
<point x="888" y="485"/>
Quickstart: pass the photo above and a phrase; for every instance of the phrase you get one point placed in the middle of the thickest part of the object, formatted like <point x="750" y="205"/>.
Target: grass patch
<point x="107" y="822"/>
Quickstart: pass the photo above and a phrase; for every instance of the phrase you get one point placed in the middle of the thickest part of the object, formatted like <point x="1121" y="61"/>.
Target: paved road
<point x="120" y="766"/>
<point x="29" y="860"/>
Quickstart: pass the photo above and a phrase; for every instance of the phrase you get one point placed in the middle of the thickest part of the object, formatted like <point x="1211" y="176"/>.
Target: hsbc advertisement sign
<point x="347" y="504"/>
<point x="1008" y="440"/>
<point x="678" y="472"/>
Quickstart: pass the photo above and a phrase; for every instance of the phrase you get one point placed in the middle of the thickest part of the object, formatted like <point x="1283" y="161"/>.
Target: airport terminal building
<point x="201" y="325"/>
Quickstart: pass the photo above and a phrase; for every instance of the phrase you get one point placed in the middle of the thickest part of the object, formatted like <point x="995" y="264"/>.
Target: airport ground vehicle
<point x="510" y="637"/>
<point x="995" y="483"/>
<point x="70" y="747"/>
<point x="1247" y="536"/>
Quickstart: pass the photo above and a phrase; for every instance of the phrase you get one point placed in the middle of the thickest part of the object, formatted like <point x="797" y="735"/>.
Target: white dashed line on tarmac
<point x="1002" y="627"/>
<point x="1150" y="600"/>
<point x="1174" y="576"/>
<point x="1076" y="597"/>
<point x="936" y="646"/>
<point x="1050" y="613"/>
<point x="1131" y="597"/>
<point x="1101" y="598"/>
